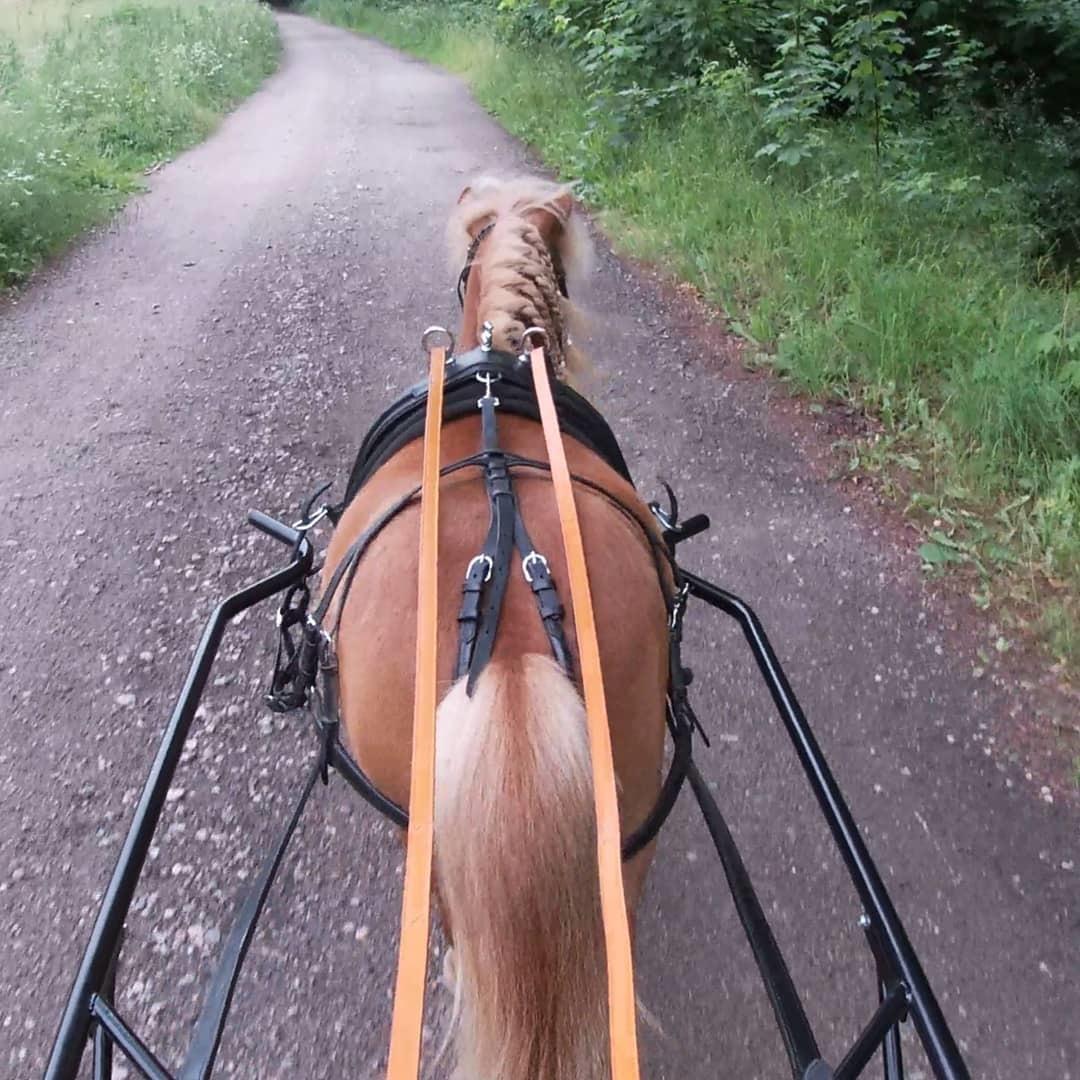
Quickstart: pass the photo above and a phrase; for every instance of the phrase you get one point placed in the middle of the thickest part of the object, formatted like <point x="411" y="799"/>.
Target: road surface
<point x="224" y="345"/>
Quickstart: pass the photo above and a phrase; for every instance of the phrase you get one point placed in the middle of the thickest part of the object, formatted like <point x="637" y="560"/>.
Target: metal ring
<point x="534" y="331"/>
<point x="426" y="345"/>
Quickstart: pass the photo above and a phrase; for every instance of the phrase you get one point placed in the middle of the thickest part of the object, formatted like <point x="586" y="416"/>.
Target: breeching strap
<point x="408" y="1016"/>
<point x="620" y="966"/>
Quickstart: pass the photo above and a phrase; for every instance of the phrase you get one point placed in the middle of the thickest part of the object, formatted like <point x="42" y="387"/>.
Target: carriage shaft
<point x="937" y="1039"/>
<point x="101" y="950"/>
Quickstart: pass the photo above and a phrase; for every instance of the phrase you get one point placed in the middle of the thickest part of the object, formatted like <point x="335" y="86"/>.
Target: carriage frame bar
<point x="903" y="989"/>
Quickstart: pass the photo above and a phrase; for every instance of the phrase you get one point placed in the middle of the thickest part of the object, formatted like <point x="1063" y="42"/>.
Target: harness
<point x="490" y="381"/>
<point x="403" y="421"/>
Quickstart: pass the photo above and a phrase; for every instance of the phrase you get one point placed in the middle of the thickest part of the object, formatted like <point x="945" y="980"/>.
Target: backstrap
<point x="488" y="573"/>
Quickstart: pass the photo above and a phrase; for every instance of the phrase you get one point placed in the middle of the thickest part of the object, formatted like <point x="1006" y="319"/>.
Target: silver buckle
<point x="677" y="606"/>
<point x="487" y="379"/>
<point x="480" y="559"/>
<point x="532" y="557"/>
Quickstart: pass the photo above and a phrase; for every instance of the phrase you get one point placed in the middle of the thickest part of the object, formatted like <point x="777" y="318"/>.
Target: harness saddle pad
<point x="512" y="383"/>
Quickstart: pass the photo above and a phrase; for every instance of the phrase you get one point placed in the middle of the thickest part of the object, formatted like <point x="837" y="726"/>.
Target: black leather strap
<point x="798" y="1036"/>
<point x="501" y="552"/>
<point x="210" y="1024"/>
<point x="488" y="574"/>
<point x="645" y="833"/>
<point x="538" y="577"/>
<point x="499" y="547"/>
<point x="476" y="576"/>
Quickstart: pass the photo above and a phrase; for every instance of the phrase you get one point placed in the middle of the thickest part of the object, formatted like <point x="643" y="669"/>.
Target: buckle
<point x="487" y="378"/>
<point x="678" y="606"/>
<point x="533" y="558"/>
<point x="480" y="559"/>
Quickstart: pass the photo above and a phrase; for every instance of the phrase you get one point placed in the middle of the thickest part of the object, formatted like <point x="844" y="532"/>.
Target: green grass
<point x="908" y="291"/>
<point x="28" y="22"/>
<point x="93" y="93"/>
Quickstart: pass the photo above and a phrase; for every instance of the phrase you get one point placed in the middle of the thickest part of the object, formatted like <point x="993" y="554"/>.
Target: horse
<point x="515" y="878"/>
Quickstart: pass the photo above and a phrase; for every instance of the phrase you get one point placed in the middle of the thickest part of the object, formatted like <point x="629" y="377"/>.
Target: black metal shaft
<point x="133" y="1047"/>
<point x="101" y="949"/>
<point x="941" y="1049"/>
<point x="892" y="1059"/>
<point x="885" y="1018"/>
<point x="103" y="1056"/>
<point x="103" y="1047"/>
<point x="799" y="1042"/>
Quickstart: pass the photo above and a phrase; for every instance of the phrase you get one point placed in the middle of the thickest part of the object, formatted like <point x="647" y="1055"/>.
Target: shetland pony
<point x="515" y="871"/>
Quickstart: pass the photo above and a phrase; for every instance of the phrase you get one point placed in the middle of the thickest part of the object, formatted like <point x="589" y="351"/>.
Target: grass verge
<point x="908" y="294"/>
<point x="88" y="102"/>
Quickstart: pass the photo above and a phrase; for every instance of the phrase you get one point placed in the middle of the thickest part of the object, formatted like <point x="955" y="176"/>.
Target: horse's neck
<point x="469" y="334"/>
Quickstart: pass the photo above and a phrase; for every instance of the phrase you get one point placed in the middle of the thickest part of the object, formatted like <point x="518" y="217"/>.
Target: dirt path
<point x="224" y="346"/>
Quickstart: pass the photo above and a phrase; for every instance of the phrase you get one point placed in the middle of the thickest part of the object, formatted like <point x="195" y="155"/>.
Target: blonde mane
<point x="519" y="283"/>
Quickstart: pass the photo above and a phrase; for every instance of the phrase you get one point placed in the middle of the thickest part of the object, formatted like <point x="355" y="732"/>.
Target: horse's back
<point x="377" y="641"/>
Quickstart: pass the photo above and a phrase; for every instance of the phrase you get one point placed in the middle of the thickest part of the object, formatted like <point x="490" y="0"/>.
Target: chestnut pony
<point x="515" y="836"/>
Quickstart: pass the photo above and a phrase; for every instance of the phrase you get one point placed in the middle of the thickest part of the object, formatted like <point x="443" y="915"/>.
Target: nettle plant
<point x="639" y="56"/>
<point x="642" y="58"/>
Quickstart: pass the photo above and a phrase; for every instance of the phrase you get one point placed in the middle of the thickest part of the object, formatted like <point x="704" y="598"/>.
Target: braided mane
<point x="519" y="284"/>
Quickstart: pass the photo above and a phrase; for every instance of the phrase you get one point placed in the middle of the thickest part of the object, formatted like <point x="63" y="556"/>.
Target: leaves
<point x="934" y="554"/>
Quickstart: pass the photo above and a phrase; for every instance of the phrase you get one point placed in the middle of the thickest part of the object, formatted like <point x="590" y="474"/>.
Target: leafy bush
<point x="1012" y="67"/>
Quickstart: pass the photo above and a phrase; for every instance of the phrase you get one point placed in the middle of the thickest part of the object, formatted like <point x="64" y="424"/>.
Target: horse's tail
<point x="517" y="877"/>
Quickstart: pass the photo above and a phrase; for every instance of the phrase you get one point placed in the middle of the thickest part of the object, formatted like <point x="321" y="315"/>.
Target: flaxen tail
<point x="516" y="873"/>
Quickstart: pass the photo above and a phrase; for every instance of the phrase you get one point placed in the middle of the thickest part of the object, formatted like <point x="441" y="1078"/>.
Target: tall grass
<point x="28" y="22"/>
<point x="909" y="292"/>
<point x="96" y="100"/>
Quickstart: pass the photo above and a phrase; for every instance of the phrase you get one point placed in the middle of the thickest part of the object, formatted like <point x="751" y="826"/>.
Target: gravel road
<point x="224" y="345"/>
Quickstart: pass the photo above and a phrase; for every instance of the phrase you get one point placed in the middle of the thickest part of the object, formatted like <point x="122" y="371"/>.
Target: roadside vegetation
<point x="885" y="200"/>
<point x="92" y="93"/>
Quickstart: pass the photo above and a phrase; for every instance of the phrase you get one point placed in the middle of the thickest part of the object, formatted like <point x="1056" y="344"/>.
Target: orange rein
<point x="407" y="1023"/>
<point x="622" y="1017"/>
<point x="406" y="1026"/>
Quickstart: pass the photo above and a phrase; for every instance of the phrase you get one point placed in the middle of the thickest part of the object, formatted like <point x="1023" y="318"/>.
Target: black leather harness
<point x="488" y="381"/>
<point x="403" y="422"/>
